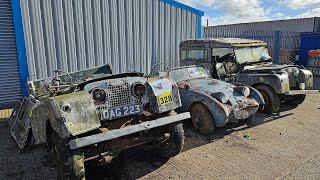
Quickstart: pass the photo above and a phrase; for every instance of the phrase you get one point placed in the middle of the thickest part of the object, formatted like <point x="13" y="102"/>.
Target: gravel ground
<point x="272" y="147"/>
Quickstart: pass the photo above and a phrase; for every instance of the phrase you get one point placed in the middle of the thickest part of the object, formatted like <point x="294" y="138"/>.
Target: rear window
<point x="193" y="54"/>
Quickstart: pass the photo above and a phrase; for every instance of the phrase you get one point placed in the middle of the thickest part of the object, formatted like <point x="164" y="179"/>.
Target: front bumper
<point x="97" y="138"/>
<point x="297" y="92"/>
<point x="241" y="114"/>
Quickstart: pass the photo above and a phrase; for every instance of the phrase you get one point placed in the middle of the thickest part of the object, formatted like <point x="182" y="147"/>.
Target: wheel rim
<point x="266" y="99"/>
<point x="197" y="121"/>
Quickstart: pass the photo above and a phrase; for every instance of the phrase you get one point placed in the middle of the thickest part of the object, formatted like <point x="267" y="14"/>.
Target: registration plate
<point x="121" y="112"/>
<point x="165" y="98"/>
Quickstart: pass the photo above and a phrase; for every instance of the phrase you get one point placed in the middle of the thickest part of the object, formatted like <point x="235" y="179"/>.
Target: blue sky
<point x="239" y="11"/>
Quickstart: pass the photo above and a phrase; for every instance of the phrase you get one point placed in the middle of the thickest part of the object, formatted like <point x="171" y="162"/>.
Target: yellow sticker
<point x="165" y="98"/>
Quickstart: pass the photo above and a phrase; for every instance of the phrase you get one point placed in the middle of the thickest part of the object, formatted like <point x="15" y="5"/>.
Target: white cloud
<point x="206" y="3"/>
<point x="301" y="4"/>
<point x="242" y="11"/>
<point x="235" y="11"/>
<point x="310" y="13"/>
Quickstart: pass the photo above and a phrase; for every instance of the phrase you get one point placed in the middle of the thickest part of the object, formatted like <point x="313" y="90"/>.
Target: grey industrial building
<point x="287" y="25"/>
<point x="40" y="36"/>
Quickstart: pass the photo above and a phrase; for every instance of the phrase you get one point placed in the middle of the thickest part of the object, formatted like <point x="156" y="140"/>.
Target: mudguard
<point x="219" y="112"/>
<point x="68" y="115"/>
<point x="77" y="111"/>
<point x="19" y="121"/>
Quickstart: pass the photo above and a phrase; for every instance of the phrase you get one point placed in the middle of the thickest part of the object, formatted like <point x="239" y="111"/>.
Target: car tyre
<point x="70" y="164"/>
<point x="271" y="98"/>
<point x="202" y="119"/>
<point x="174" y="144"/>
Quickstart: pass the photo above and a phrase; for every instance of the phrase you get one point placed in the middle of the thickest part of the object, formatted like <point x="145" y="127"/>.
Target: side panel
<point x="280" y="83"/>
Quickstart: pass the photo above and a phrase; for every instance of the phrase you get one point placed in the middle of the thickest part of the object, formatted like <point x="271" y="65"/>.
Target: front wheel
<point x="202" y="119"/>
<point x="271" y="99"/>
<point x="70" y="164"/>
<point x="172" y="146"/>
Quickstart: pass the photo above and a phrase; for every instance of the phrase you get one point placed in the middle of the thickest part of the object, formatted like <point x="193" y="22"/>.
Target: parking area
<point x="316" y="82"/>
<point x="284" y="147"/>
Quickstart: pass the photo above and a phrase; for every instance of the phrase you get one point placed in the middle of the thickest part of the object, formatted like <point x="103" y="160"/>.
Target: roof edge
<point x="255" y="22"/>
<point x="183" y="6"/>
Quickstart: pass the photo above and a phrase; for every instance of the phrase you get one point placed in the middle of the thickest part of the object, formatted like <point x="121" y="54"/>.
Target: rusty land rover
<point x="247" y="62"/>
<point x="89" y="117"/>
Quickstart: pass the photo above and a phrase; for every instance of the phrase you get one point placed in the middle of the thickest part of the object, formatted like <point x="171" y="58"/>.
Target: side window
<point x="220" y="54"/>
<point x="193" y="54"/>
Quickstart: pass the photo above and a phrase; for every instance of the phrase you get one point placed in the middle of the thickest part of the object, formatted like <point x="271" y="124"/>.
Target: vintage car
<point x="91" y="116"/>
<point x="247" y="62"/>
<point x="212" y="102"/>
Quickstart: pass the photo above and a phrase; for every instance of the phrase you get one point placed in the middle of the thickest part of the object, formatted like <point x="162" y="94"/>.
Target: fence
<point x="283" y="46"/>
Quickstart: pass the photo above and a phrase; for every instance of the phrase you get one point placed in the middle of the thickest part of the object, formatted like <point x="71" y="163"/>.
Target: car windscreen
<point x="188" y="73"/>
<point x="251" y="54"/>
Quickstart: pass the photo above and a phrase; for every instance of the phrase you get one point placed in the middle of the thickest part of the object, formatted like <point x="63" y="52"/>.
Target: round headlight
<point x="224" y="98"/>
<point x="246" y="91"/>
<point x="139" y="90"/>
<point x="99" y="95"/>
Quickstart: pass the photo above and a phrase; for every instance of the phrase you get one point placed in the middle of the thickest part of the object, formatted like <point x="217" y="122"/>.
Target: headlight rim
<point x="246" y="91"/>
<point x="133" y="89"/>
<point x="100" y="99"/>
<point x="221" y="96"/>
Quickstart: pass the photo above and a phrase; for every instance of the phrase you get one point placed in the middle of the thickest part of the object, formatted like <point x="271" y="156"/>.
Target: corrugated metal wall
<point x="73" y="35"/>
<point x="292" y="25"/>
<point x="10" y="89"/>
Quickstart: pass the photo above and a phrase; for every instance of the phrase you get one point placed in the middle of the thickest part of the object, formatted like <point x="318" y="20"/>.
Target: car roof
<point x="222" y="42"/>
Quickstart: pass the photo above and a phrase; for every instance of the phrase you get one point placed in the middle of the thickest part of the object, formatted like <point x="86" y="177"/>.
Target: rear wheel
<point x="70" y="164"/>
<point x="271" y="98"/>
<point x="202" y="119"/>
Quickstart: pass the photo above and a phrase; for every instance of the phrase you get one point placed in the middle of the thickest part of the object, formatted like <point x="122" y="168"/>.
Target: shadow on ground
<point x="138" y="163"/>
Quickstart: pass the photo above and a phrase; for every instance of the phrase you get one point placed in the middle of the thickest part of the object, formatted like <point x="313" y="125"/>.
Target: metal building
<point x="288" y="25"/>
<point x="41" y="36"/>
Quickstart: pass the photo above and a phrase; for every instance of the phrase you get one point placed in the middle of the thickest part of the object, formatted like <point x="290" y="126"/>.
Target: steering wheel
<point x="56" y="80"/>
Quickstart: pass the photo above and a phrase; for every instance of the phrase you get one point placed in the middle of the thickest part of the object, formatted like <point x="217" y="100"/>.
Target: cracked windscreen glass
<point x="252" y="54"/>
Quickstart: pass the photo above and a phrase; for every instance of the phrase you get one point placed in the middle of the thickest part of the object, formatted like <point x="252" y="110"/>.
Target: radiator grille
<point x="118" y="94"/>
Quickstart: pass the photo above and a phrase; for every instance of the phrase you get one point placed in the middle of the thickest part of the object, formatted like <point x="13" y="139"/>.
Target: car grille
<point x="118" y="94"/>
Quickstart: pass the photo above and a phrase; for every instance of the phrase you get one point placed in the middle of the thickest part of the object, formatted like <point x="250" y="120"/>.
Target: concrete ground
<point x="271" y="147"/>
<point x="316" y="82"/>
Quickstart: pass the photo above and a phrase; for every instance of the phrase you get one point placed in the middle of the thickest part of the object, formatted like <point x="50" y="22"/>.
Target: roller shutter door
<point x="10" y="89"/>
